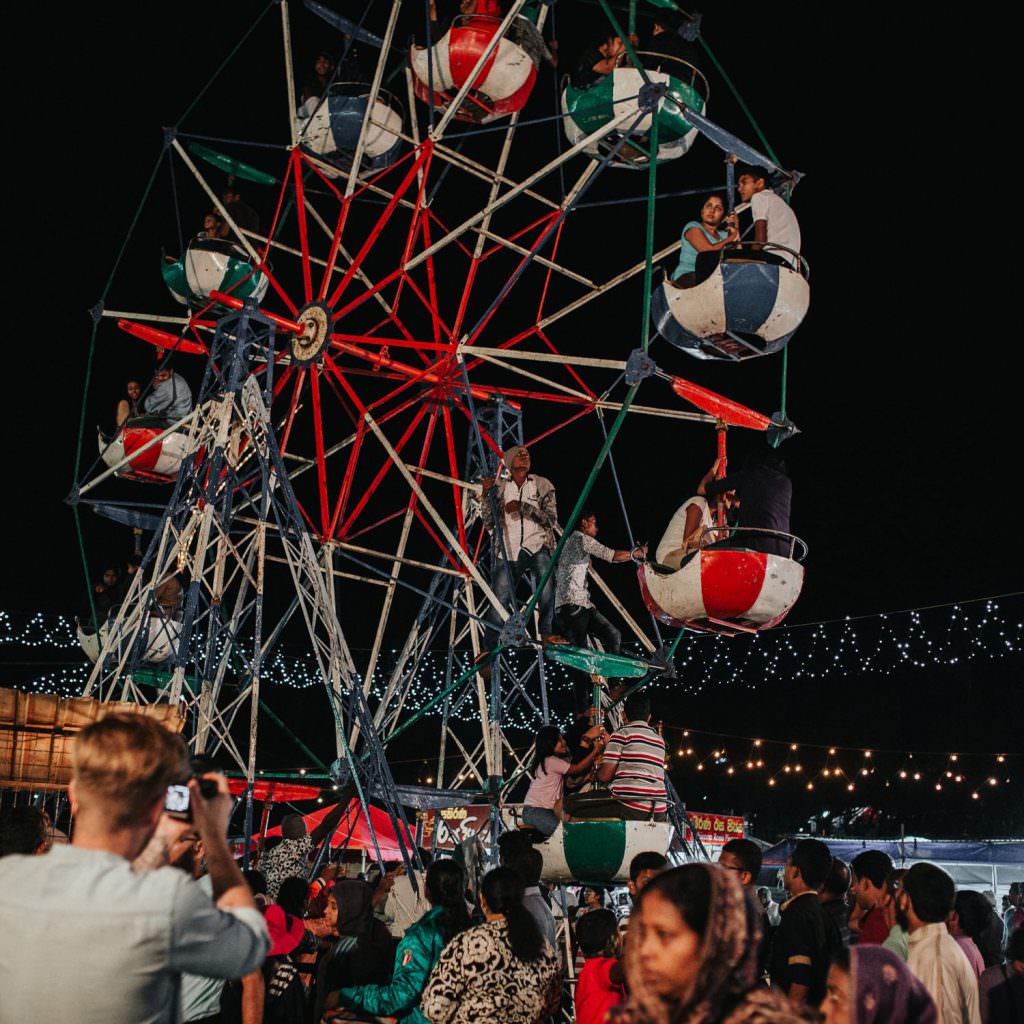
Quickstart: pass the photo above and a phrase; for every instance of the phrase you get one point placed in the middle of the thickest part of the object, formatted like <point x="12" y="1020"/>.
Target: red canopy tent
<point x="354" y="821"/>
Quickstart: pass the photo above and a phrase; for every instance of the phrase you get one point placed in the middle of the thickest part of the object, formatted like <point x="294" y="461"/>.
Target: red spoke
<point x="321" y="463"/>
<point x="435" y="314"/>
<point x="277" y="214"/>
<point x="281" y="381"/>
<point x="453" y="468"/>
<point x="547" y="276"/>
<point x="445" y="549"/>
<point x="369" y="339"/>
<point x="522" y="263"/>
<point x="380" y="225"/>
<point x="558" y="426"/>
<point x="569" y="367"/>
<point x="438" y="322"/>
<point x="383" y="471"/>
<point x="300" y="209"/>
<point x="544" y="220"/>
<point x="373" y="526"/>
<point x="350" y="471"/>
<point x="335" y="246"/>
<point x="300" y="377"/>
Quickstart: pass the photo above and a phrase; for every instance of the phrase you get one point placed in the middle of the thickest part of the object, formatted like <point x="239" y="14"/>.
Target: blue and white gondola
<point x="329" y="129"/>
<point x="746" y="307"/>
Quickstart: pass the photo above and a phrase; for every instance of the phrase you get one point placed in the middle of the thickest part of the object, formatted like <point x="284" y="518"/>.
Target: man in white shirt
<point x="773" y="218"/>
<point x="122" y="934"/>
<point x="527" y="514"/>
<point x="924" y="902"/>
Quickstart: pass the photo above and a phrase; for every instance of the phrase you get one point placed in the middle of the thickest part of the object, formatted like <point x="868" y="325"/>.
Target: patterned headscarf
<point x="724" y="987"/>
<point x="883" y="990"/>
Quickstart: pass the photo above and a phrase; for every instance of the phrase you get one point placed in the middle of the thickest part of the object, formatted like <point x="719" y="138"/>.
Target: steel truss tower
<point x="231" y="521"/>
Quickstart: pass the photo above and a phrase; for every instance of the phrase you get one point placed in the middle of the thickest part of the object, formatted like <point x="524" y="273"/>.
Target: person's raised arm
<point x="583" y="766"/>
<point x="637" y="553"/>
<point x="329" y="822"/>
<point x="708" y="477"/>
<point x="210" y="817"/>
<point x="696" y="237"/>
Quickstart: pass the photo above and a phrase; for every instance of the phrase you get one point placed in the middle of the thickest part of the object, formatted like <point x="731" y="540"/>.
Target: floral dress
<point x="479" y="979"/>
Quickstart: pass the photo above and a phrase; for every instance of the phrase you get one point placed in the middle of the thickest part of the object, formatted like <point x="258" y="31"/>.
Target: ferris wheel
<point x="368" y="354"/>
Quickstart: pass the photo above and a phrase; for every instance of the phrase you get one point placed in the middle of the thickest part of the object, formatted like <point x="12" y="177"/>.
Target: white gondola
<point x="726" y="590"/>
<point x="329" y="128"/>
<point x="601" y="850"/>
<point x="747" y="306"/>
<point x="213" y="264"/>
<point x="161" y="640"/>
<point x="159" y="462"/>
<point x="506" y="80"/>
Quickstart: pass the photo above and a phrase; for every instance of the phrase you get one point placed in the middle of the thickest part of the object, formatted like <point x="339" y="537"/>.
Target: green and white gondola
<point x="213" y="264"/>
<point x="600" y="851"/>
<point x="587" y="110"/>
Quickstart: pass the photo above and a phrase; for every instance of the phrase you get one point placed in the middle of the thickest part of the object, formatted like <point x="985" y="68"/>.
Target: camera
<point x="178" y="801"/>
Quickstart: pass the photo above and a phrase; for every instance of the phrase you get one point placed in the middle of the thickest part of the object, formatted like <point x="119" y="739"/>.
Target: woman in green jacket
<point x="418" y="951"/>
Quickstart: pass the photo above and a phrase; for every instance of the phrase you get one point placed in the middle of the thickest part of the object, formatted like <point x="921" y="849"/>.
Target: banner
<point x="716" y="829"/>
<point x="454" y="825"/>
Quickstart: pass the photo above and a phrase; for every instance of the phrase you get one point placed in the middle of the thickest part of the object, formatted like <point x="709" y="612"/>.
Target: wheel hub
<point x="316" y="324"/>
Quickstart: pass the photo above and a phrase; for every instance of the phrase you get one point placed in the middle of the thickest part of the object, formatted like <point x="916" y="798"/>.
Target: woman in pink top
<point x="543" y="802"/>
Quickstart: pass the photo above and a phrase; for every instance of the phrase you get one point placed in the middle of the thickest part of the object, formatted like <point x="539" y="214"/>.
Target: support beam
<point x="378" y="75"/>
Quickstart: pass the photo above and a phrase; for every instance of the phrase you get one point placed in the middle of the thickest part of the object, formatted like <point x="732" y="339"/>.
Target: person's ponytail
<point x="446" y="888"/>
<point x="503" y="892"/>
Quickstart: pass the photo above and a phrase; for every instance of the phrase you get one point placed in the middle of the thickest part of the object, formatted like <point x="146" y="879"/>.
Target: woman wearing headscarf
<point x="692" y="954"/>
<point x="872" y="985"/>
<point x="364" y="951"/>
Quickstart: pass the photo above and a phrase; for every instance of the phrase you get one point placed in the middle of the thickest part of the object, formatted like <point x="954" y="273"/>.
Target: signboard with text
<point x="454" y="825"/>
<point x="716" y="829"/>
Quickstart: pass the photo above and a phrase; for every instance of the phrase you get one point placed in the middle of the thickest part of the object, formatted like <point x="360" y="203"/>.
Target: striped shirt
<point x="638" y="754"/>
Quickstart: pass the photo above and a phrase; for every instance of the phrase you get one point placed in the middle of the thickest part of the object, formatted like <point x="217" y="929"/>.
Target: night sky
<point x="903" y="378"/>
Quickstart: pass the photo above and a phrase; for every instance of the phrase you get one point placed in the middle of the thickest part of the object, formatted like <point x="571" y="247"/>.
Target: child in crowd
<point x="543" y="801"/>
<point x="601" y="982"/>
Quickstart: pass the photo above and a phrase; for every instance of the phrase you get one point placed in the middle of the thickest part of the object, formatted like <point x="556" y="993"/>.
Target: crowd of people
<point x="151" y="919"/>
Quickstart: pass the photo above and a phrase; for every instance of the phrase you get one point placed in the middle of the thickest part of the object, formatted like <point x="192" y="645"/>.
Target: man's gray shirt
<point x="171" y="398"/>
<point x="86" y="939"/>
<point x="541" y="913"/>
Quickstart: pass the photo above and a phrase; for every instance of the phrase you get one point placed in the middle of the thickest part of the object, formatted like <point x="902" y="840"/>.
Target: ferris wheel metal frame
<point x="423" y="400"/>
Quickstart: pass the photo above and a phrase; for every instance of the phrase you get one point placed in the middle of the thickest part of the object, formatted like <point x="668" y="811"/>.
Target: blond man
<point x="122" y="934"/>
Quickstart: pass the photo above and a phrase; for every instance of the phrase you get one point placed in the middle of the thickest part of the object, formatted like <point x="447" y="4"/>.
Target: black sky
<point x="904" y="378"/>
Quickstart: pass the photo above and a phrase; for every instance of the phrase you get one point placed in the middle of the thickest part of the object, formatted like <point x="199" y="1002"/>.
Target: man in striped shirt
<point x="633" y="768"/>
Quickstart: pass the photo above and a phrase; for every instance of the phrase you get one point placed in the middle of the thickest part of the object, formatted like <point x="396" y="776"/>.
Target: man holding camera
<point x="121" y="934"/>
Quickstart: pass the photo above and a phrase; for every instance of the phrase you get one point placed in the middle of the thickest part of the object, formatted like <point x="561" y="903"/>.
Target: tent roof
<point x="353" y="833"/>
<point x="1009" y="852"/>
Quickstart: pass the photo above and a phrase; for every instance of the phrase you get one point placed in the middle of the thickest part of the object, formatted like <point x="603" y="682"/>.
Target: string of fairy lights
<point x="41" y="654"/>
<point x="816" y="766"/>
